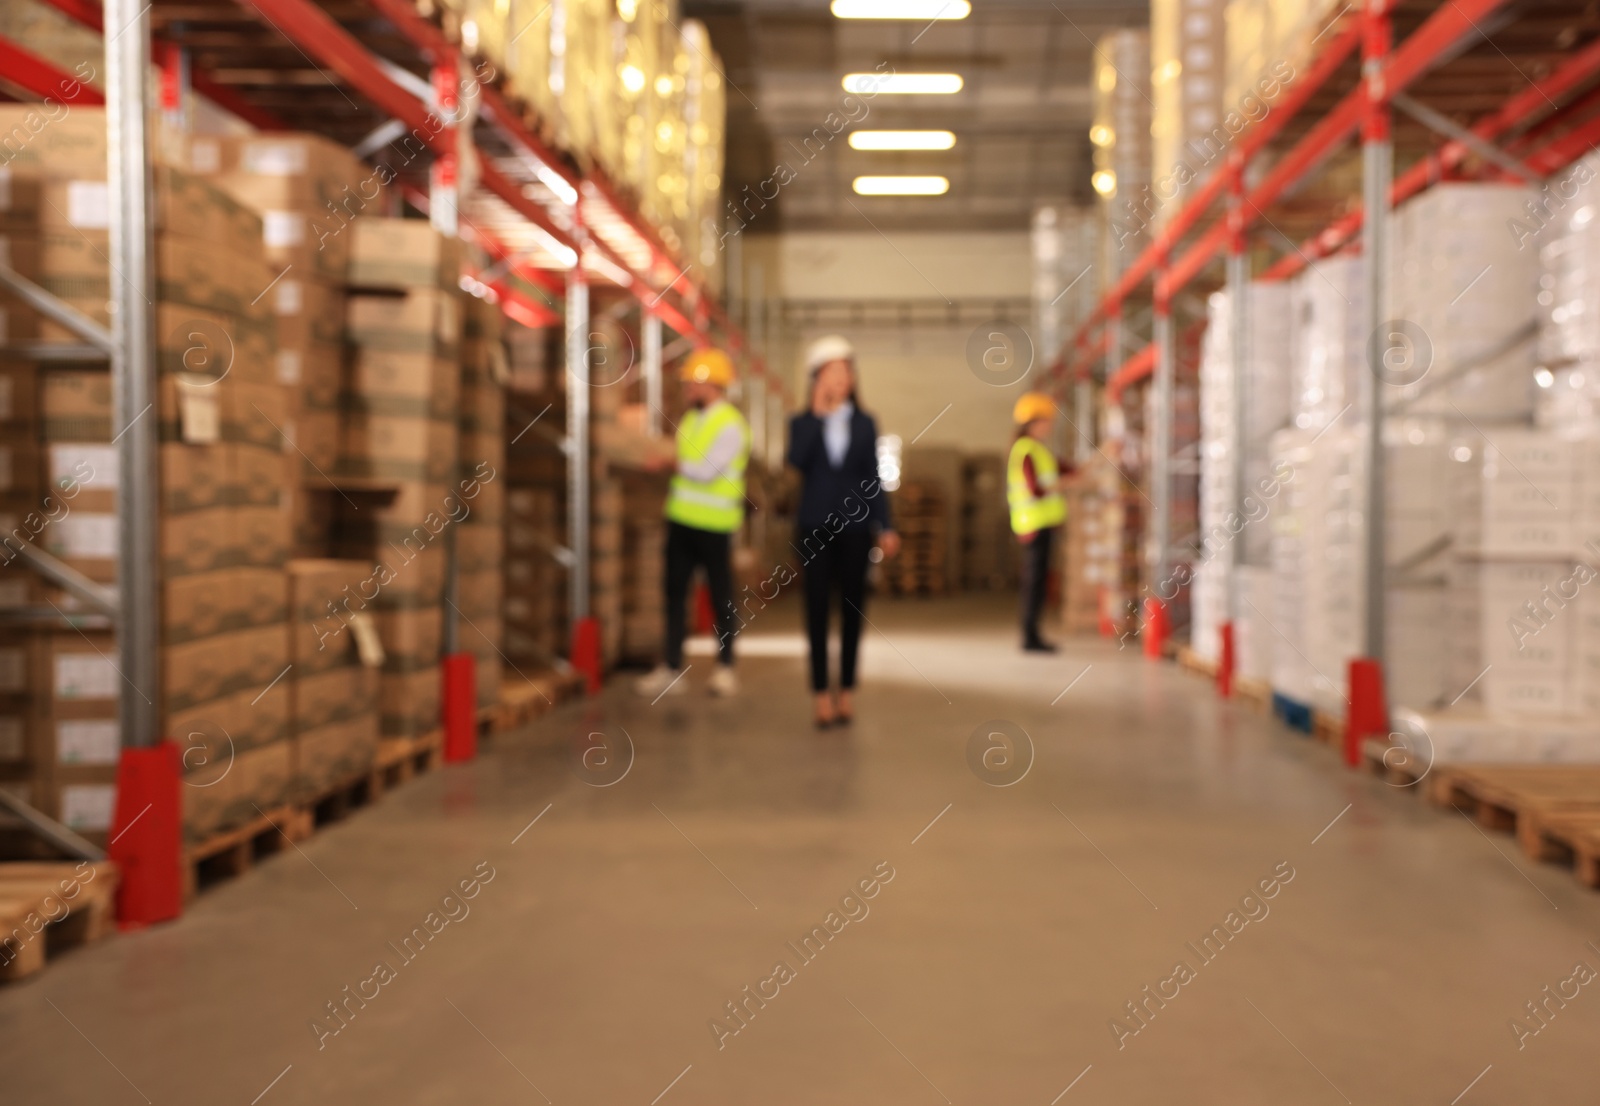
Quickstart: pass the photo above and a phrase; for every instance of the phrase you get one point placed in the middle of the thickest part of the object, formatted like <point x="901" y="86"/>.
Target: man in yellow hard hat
<point x="705" y="507"/>
<point x="1033" y="491"/>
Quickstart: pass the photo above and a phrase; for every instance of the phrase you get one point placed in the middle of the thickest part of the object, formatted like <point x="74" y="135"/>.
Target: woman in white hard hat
<point x="843" y="513"/>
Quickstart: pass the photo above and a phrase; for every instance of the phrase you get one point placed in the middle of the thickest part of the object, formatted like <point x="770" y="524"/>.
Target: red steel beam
<point x="1570" y="75"/>
<point x="1133" y="370"/>
<point x="33" y="74"/>
<point x="322" y="37"/>
<point x="1439" y="35"/>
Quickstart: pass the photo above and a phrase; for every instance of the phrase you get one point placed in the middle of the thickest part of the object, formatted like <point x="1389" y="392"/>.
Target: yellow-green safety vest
<point x="716" y="504"/>
<point x="1030" y="513"/>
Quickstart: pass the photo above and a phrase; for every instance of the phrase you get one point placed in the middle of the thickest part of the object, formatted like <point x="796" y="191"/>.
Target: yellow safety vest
<point x="1029" y="512"/>
<point x="716" y="504"/>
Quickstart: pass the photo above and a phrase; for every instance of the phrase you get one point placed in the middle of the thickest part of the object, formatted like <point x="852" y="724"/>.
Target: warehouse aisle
<point x="1000" y="933"/>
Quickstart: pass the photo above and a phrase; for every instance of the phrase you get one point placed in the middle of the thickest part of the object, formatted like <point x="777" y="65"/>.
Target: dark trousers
<point x="1035" y="575"/>
<point x="840" y="565"/>
<point x="688" y="548"/>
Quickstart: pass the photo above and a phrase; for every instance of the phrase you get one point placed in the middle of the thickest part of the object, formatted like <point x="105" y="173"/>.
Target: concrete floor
<point x="1019" y="922"/>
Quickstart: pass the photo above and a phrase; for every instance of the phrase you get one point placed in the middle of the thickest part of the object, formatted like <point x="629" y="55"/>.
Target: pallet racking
<point x="365" y="73"/>
<point x="1396" y="75"/>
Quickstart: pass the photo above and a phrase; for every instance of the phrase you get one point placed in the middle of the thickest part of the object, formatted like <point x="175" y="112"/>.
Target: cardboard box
<point x="417" y="321"/>
<point x="396" y="448"/>
<point x="315" y="456"/>
<point x="419" y="385"/>
<point x="334" y="754"/>
<point x="312" y="374"/>
<point x="409" y="704"/>
<point x="261" y="536"/>
<point x="258" y="779"/>
<point x="411" y="637"/>
<point x="337" y="695"/>
<point x="45" y="138"/>
<point x="197" y="541"/>
<point x="254" y="474"/>
<point x="402" y="253"/>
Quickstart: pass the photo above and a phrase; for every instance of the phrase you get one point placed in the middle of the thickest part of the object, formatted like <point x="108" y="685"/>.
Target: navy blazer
<point x="850" y="492"/>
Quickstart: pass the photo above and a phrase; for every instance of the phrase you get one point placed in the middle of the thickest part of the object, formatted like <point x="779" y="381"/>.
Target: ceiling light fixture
<point x="901" y="186"/>
<point x="902" y="140"/>
<point x="903" y="84"/>
<point x="901" y="9"/>
<point x="1105" y="183"/>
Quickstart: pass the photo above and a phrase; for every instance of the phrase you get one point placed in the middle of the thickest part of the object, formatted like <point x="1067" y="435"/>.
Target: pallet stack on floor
<point x="922" y="518"/>
<point x="400" y="498"/>
<point x="988" y="549"/>
<point x="537" y="628"/>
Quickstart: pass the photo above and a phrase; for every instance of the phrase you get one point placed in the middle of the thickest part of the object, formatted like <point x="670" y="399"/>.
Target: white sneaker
<point x="661" y="681"/>
<point x="723" y="683"/>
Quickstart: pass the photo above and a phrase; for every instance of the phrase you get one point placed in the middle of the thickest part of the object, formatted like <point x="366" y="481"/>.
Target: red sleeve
<point x="1032" y="477"/>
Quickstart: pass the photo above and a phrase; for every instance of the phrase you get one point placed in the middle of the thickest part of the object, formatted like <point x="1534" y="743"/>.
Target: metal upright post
<point x="1083" y="417"/>
<point x="1159" y="433"/>
<point x="133" y="367"/>
<point x="577" y="444"/>
<point x="146" y="826"/>
<point x="1377" y="166"/>
<point x="1114" y="343"/>
<point x="586" y="651"/>
<point x="651" y="326"/>
<point x="1238" y="278"/>
<point x="1368" y="711"/>
<point x="1160" y="437"/>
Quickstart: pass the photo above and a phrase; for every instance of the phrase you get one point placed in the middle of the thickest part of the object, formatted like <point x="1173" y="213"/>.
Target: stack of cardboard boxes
<point x="401" y="498"/>
<point x="988" y="550"/>
<point x="644" y="539"/>
<point x="481" y="539"/>
<point x="308" y="192"/>
<point x="224" y="636"/>
<point x="333" y="714"/>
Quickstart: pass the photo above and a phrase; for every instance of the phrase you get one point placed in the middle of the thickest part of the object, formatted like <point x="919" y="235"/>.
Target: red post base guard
<point x="586" y="653"/>
<point x="146" y="840"/>
<point x="459" y="700"/>
<point x="1369" y="707"/>
<point x="1156" y="628"/>
<point x="1225" y="665"/>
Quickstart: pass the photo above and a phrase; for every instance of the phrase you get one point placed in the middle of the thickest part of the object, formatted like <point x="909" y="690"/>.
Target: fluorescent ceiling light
<point x="902" y="140"/>
<point x="903" y="84"/>
<point x="901" y="9"/>
<point x="901" y="186"/>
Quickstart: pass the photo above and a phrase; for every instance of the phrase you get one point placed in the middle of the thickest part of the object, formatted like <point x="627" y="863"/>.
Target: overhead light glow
<point x="901" y="186"/>
<point x="1102" y="135"/>
<point x="903" y="84"/>
<point x="633" y="79"/>
<point x="926" y="10"/>
<point x="1105" y="183"/>
<point x="902" y="140"/>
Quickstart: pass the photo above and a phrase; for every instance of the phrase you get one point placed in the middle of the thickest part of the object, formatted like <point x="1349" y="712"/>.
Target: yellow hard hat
<point x="1033" y="405"/>
<point x="708" y="366"/>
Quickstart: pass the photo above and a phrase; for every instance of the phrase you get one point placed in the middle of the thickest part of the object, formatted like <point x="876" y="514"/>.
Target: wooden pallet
<point x="1504" y="796"/>
<point x="1257" y="693"/>
<point x="235" y="851"/>
<point x="38" y="921"/>
<point x="401" y="758"/>
<point x="1396" y="768"/>
<point x="1327" y="728"/>
<point x="1564" y="836"/>
<point x="1190" y="661"/>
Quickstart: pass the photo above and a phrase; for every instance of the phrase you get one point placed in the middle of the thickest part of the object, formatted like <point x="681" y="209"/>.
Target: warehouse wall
<point x="908" y="374"/>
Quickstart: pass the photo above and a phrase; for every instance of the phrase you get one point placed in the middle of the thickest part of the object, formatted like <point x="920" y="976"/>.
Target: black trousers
<point x="840" y="566"/>
<point x="1035" y="576"/>
<point x="688" y="548"/>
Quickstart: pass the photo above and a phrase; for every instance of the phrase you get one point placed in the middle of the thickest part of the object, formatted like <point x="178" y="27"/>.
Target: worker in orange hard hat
<point x="705" y="508"/>
<point x="1033" y="479"/>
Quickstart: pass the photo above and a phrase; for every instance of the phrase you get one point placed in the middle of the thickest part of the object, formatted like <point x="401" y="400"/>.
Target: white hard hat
<point x="833" y="347"/>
